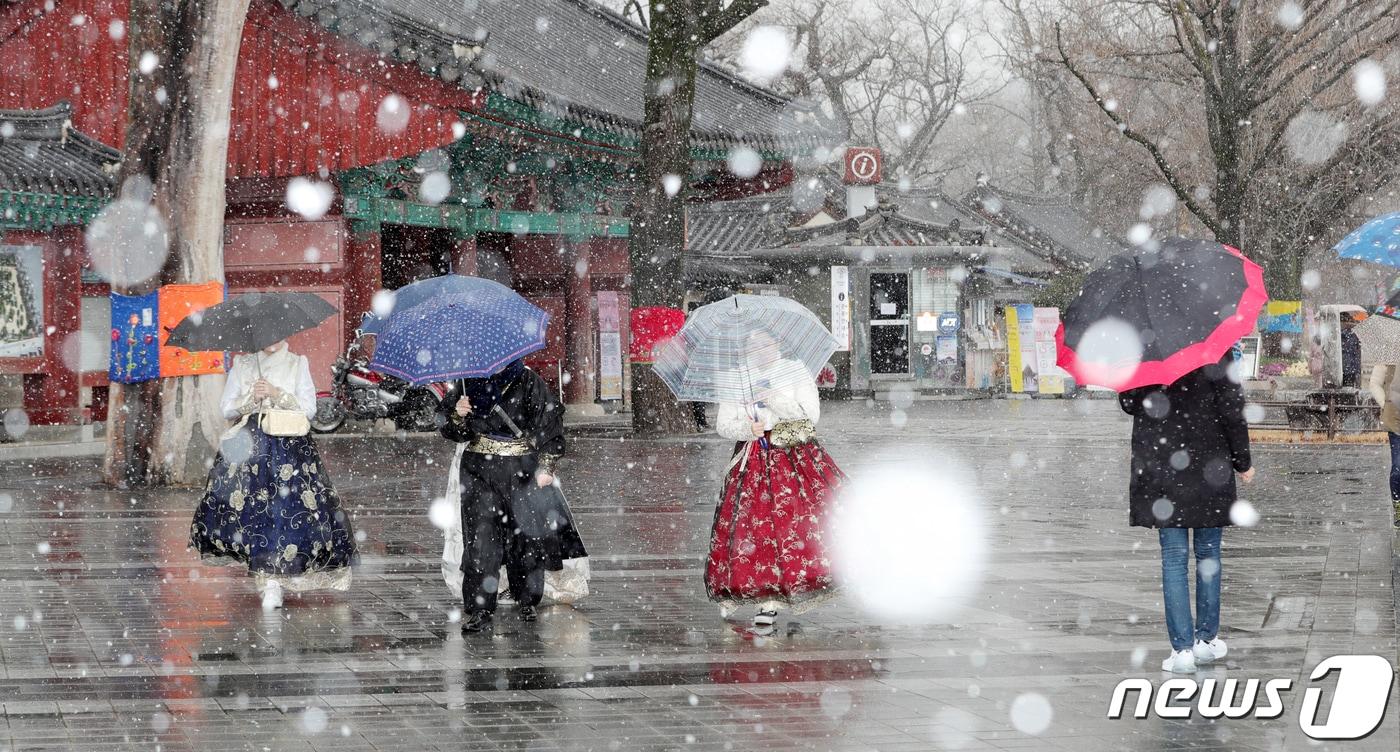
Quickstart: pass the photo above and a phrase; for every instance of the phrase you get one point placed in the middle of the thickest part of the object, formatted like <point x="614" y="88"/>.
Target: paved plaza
<point x="113" y="636"/>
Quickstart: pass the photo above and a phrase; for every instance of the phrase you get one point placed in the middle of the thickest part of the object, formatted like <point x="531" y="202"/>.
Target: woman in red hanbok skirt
<point x="767" y="547"/>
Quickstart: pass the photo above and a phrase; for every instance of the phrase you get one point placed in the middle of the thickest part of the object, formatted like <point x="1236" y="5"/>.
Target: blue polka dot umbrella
<point x="417" y="293"/>
<point x="743" y="347"/>
<point x="1377" y="241"/>
<point x="468" y="334"/>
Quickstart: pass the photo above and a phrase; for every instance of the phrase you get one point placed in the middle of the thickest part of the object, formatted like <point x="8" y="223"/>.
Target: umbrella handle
<point x="763" y="439"/>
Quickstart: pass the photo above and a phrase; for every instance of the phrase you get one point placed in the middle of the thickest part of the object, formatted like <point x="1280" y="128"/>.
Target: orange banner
<point x="177" y="302"/>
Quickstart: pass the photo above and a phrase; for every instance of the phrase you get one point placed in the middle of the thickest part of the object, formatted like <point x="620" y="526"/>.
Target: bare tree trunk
<point x="679" y="29"/>
<point x="178" y="139"/>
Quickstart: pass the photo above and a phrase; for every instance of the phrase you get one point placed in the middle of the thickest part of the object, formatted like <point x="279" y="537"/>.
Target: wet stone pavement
<point x="113" y="636"/>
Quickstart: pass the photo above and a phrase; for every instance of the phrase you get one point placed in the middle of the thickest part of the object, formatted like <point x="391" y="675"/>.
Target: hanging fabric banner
<point x="177" y="302"/>
<point x="135" y="352"/>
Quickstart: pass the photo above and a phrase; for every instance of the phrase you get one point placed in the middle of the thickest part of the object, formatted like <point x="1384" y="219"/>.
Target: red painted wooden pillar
<point x="580" y="363"/>
<point x="364" y="272"/>
<point x="464" y="255"/>
<point x="52" y="397"/>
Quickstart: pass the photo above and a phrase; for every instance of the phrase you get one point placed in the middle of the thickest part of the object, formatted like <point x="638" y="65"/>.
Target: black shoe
<point x="528" y="613"/>
<point x="477" y="621"/>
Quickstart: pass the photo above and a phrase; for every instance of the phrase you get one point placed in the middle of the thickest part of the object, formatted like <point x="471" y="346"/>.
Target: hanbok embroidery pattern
<point x="286" y="521"/>
<point x="766" y="545"/>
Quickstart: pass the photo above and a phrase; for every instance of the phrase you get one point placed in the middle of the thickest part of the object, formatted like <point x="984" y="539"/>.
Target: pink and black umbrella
<point x="1152" y="317"/>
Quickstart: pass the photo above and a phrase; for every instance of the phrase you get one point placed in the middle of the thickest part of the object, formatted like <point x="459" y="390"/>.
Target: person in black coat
<point x="513" y="427"/>
<point x="1190" y="439"/>
<point x="1351" y="351"/>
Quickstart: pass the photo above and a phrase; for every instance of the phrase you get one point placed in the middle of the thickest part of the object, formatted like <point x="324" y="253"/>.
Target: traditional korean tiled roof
<point x="570" y="59"/>
<point x="934" y="206"/>
<point x="40" y="153"/>
<point x="1047" y="225"/>
<point x="886" y="225"/>
<point x="734" y="228"/>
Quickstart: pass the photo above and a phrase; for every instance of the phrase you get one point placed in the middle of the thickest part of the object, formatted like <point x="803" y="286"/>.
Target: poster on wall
<point x="609" y="346"/>
<point x="1013" y="351"/>
<point x="1030" y="366"/>
<point x="1282" y="316"/>
<point x="1052" y="379"/>
<point x="841" y="307"/>
<point x="21" y="301"/>
<point x="947" y="348"/>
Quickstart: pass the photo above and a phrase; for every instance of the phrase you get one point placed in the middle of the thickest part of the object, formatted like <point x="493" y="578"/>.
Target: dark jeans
<point x="1394" y="467"/>
<point x="1176" y="592"/>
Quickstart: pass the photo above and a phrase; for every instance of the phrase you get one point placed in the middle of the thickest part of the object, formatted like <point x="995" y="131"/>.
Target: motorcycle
<point x="357" y="392"/>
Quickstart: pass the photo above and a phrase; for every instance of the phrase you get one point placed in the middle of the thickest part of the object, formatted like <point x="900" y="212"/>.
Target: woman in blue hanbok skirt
<point x="269" y="504"/>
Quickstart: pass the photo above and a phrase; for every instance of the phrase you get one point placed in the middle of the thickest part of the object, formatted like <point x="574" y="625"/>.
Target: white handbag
<point x="284" y="423"/>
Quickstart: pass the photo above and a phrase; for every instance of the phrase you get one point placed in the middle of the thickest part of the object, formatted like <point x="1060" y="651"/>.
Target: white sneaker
<point x="1180" y="662"/>
<point x="1206" y="652"/>
<point x="272" y="596"/>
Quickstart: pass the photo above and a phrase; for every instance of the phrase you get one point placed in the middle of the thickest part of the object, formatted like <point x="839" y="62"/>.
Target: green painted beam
<point x="469" y="221"/>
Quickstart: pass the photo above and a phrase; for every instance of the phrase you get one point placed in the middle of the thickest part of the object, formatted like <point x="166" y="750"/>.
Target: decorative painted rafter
<point x="25" y="210"/>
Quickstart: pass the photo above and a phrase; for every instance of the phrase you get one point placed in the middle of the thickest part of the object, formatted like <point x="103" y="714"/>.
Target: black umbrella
<point x="250" y="322"/>
<point x="1152" y="317"/>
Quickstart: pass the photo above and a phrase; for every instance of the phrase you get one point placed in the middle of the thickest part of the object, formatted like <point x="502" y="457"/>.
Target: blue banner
<point x="135" y="353"/>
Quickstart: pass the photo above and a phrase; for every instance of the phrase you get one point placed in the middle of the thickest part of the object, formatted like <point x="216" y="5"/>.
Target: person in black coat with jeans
<point x="1190" y="439"/>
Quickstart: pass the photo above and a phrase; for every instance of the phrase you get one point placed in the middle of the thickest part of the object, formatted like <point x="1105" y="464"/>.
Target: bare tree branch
<point x="1169" y="173"/>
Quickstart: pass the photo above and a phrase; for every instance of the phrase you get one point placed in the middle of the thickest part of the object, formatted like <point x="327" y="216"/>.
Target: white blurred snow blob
<point x="1244" y="514"/>
<point x="909" y="543"/>
<point x="1157" y="201"/>
<point x="442" y="513"/>
<point x="1110" y="352"/>
<point x="16" y="423"/>
<point x="1138" y="657"/>
<point x="1311" y="279"/>
<point x="435" y="188"/>
<point x="1254" y="412"/>
<point x="766" y="52"/>
<point x="835" y="702"/>
<point x="1140" y="233"/>
<point x="744" y="162"/>
<point x="7" y="502"/>
<point x="671" y="184"/>
<point x="1290" y="15"/>
<point x="382" y="304"/>
<point x="1368" y="80"/>
<point x="392" y="116"/>
<point x="1313" y="137"/>
<point x="1031" y="713"/>
<point x="313" y="720"/>
<point x="309" y="198"/>
<point x="128" y="240"/>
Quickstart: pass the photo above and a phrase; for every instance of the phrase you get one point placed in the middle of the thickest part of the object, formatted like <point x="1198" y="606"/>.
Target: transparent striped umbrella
<point x="741" y="348"/>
